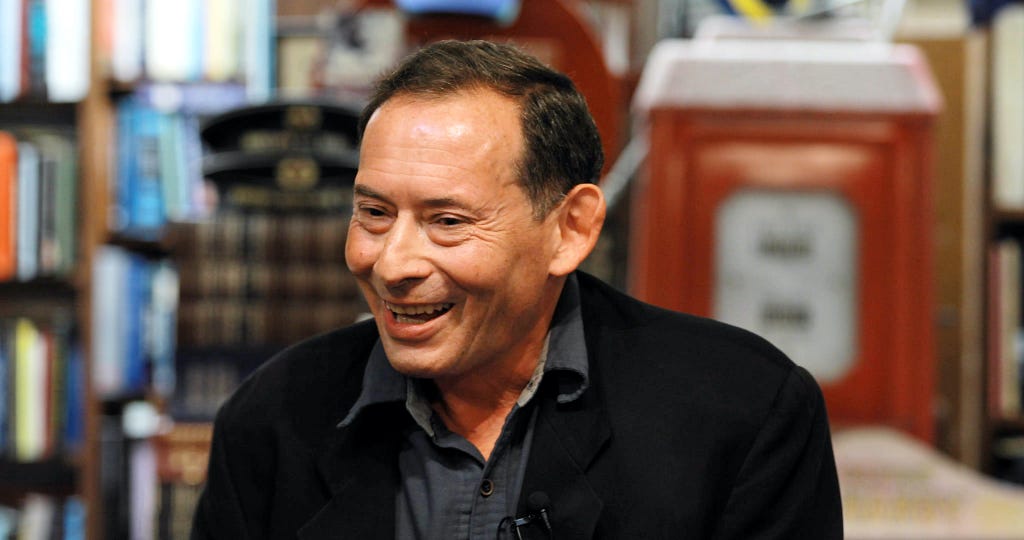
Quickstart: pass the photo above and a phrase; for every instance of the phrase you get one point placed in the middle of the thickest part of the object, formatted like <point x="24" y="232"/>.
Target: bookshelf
<point x="1004" y="209"/>
<point x="42" y="451"/>
<point x="89" y="78"/>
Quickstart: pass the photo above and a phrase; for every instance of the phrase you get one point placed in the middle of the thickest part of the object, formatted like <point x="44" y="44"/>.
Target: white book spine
<point x="67" y="49"/>
<point x="1008" y="107"/>
<point x="10" y="49"/>
<point x="126" y="58"/>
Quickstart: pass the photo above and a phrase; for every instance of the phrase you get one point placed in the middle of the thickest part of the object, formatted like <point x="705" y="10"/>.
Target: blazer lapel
<point x="567" y="438"/>
<point x="360" y="468"/>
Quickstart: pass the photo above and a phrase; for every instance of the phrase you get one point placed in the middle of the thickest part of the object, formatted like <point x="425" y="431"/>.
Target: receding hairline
<point x="413" y="97"/>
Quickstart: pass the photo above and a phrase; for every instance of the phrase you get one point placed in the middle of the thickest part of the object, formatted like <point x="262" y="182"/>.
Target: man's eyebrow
<point x="445" y="202"/>
<point x="364" y="191"/>
<point x="439" y="202"/>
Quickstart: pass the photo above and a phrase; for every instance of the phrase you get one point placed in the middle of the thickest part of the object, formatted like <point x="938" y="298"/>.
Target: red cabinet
<point x="788" y="191"/>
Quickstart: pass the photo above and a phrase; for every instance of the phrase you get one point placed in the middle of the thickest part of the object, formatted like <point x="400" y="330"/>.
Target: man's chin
<point x="413" y="364"/>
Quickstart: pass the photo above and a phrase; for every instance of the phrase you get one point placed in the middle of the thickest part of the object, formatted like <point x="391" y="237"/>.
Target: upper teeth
<point x="416" y="310"/>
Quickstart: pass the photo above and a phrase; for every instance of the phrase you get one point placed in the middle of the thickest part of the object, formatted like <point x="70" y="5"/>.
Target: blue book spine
<point x="146" y="204"/>
<point x="134" y="375"/>
<point x="74" y="518"/>
<point x="74" y="407"/>
<point x="36" y="11"/>
<point x="163" y="314"/>
<point x="122" y="187"/>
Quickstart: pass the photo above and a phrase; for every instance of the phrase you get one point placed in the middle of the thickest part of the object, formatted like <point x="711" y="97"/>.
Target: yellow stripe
<point x="752" y="9"/>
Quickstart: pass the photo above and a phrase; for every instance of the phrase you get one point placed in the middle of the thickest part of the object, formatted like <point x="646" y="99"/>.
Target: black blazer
<point x="690" y="429"/>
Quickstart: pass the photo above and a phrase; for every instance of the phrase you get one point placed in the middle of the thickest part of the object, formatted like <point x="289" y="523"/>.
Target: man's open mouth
<point x="418" y="314"/>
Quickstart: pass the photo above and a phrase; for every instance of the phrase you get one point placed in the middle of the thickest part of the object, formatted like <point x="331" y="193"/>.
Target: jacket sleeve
<point x="787" y="487"/>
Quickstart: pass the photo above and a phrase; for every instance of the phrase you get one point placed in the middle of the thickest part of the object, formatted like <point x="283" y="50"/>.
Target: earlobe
<point x="580" y="219"/>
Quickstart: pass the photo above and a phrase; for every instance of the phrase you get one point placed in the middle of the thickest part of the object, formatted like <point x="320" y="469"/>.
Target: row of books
<point x="135" y="306"/>
<point x="38" y="187"/>
<point x="44" y="517"/>
<point x="266" y="279"/>
<point x="1005" y="329"/>
<point x="41" y="383"/>
<point x="44" y="50"/>
<point x="182" y="455"/>
<point x="152" y="473"/>
<point x="189" y="41"/>
<point x="283" y="237"/>
<point x="158" y="161"/>
<point x="249" y="279"/>
<point x="128" y="471"/>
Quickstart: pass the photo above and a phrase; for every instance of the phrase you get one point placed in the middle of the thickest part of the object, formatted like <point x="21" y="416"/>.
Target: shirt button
<point x="486" y="488"/>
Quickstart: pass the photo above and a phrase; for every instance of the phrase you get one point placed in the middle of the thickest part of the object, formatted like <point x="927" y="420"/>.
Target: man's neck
<point x="476" y="405"/>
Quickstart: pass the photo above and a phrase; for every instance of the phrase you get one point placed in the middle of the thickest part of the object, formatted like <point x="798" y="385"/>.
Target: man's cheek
<point x="359" y="255"/>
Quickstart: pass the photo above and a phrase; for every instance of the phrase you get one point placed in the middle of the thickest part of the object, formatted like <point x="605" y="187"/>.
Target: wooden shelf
<point x="40" y="299"/>
<point x="1008" y="426"/>
<point x="38" y="112"/>
<point x="51" y="476"/>
<point x="1008" y="217"/>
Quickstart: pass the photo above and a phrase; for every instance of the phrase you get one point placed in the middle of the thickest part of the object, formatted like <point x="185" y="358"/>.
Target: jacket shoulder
<point x="610" y="310"/>
<point x="695" y="362"/>
<point x="310" y="384"/>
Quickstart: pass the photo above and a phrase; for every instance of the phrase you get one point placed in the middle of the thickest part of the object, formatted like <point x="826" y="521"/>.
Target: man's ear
<point x="580" y="218"/>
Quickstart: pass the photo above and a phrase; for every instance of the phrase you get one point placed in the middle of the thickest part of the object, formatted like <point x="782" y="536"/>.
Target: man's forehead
<point x="471" y="126"/>
<point x="473" y="94"/>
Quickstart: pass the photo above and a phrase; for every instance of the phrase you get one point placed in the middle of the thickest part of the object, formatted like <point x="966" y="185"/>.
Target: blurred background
<point x="844" y="177"/>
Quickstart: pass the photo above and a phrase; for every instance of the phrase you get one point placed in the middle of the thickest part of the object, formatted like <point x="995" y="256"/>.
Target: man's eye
<point x="449" y="221"/>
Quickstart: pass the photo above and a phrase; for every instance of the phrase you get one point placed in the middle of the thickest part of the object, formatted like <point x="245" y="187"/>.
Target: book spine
<point x="11" y="39"/>
<point x="137" y="308"/>
<point x="110" y="271"/>
<point x="28" y="216"/>
<point x="5" y="386"/>
<point x="258" y="44"/>
<point x="8" y="205"/>
<point x="28" y="412"/>
<point x="164" y="309"/>
<point x="35" y="11"/>
<point x="1008" y="107"/>
<point x="67" y="49"/>
<point x="137" y="299"/>
<point x="126" y="40"/>
<point x="47" y="248"/>
<point x="146" y="204"/>
<point x="66" y="204"/>
<point x="75" y="405"/>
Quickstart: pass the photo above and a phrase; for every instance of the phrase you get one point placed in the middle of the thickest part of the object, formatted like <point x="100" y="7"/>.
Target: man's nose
<point x="402" y="259"/>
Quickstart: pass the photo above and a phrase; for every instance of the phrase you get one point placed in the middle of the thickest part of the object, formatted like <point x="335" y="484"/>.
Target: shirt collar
<point x="564" y="356"/>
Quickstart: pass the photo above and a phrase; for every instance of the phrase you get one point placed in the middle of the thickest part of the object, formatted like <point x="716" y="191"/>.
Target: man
<point x="499" y="393"/>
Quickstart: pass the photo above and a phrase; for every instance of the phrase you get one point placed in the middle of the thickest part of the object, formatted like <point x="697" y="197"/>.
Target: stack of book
<point x="41" y="384"/>
<point x="38" y="186"/>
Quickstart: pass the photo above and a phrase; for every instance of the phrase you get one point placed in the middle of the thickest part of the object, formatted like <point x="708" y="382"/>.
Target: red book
<point x="8" y="204"/>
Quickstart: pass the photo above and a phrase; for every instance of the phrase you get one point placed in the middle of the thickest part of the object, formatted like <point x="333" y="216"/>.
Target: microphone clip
<point x="540" y="516"/>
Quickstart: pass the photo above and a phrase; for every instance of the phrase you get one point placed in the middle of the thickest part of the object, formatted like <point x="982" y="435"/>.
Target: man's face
<point x="443" y="241"/>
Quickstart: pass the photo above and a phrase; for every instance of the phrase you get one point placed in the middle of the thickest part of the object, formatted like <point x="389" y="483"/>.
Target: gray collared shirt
<point x="447" y="488"/>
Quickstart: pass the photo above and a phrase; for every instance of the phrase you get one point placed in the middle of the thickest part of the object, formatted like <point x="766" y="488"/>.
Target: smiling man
<point x="498" y="392"/>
